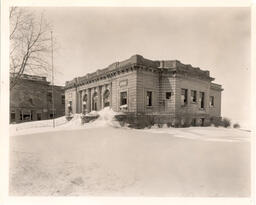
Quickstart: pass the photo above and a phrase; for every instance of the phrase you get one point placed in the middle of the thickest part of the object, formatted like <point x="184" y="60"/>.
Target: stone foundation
<point x="147" y="120"/>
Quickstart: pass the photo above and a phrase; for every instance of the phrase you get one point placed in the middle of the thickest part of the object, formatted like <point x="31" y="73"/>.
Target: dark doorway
<point x="38" y="116"/>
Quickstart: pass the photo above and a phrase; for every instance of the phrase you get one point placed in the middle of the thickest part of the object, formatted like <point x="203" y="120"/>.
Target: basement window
<point x="184" y="96"/>
<point x="193" y="122"/>
<point x="168" y="95"/>
<point x="13" y="117"/>
<point x="193" y="96"/>
<point x="149" y="98"/>
<point x="202" y="122"/>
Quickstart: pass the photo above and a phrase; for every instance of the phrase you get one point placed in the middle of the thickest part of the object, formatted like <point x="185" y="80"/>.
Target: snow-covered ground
<point x="101" y="158"/>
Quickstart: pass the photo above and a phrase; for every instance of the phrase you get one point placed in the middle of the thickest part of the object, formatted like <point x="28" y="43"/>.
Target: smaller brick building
<point x="31" y="99"/>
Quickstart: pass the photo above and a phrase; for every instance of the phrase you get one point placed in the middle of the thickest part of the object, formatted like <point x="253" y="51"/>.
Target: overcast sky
<point x="214" y="39"/>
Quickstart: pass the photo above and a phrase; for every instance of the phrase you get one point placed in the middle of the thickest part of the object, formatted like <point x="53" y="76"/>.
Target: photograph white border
<point x="4" y="101"/>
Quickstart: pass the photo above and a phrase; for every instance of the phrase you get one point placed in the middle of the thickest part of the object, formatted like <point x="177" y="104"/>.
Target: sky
<point x="214" y="39"/>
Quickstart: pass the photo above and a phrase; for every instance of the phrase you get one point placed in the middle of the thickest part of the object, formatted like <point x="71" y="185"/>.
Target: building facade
<point x="169" y="89"/>
<point x="32" y="99"/>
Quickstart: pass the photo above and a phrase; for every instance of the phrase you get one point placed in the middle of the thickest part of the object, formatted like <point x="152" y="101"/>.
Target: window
<point x="106" y="98"/>
<point x="184" y="96"/>
<point x="123" y="98"/>
<point x="49" y="97"/>
<point x="168" y="95"/>
<point x="12" y="116"/>
<point x="201" y="99"/>
<point x="84" y="102"/>
<point x="211" y="101"/>
<point x="30" y="100"/>
<point x="193" y="95"/>
<point x="70" y="106"/>
<point x="95" y="101"/>
<point x="149" y="98"/>
<point x="63" y="99"/>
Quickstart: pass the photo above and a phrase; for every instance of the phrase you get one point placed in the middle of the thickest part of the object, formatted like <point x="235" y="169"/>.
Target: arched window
<point x="84" y="103"/>
<point x="85" y="98"/>
<point x="94" y="101"/>
<point x="106" y="98"/>
<point x="70" y="107"/>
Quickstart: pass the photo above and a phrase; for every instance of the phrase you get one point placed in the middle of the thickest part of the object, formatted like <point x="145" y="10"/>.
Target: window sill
<point x="123" y="107"/>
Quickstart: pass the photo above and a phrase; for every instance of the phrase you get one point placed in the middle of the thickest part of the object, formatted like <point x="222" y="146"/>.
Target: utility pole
<point x="53" y="111"/>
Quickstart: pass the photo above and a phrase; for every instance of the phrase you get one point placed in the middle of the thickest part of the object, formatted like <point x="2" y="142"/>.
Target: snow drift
<point x="106" y="118"/>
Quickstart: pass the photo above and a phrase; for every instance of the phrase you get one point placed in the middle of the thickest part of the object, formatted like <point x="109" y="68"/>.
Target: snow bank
<point x="75" y="122"/>
<point x="45" y="125"/>
<point x="106" y="118"/>
<point x="205" y="133"/>
<point x="92" y="113"/>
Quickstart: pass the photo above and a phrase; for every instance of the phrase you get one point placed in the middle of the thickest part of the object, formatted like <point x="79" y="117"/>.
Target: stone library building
<point x="172" y="91"/>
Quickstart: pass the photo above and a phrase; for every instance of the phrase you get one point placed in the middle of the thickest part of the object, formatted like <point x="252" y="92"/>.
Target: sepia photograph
<point x="130" y="101"/>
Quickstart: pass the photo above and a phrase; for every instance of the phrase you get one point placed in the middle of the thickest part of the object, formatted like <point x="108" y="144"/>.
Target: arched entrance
<point x="106" y="98"/>
<point x="94" y="101"/>
<point x="85" y="103"/>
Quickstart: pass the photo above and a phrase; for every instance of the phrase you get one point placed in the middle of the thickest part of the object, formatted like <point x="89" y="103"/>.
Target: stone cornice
<point x="138" y="63"/>
<point x="217" y="87"/>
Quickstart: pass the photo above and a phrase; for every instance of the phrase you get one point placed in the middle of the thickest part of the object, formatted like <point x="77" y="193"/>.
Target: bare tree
<point x="30" y="44"/>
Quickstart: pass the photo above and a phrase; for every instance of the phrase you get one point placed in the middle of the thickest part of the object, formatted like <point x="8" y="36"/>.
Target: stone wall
<point x="147" y="81"/>
<point x="71" y="96"/>
<point x="167" y="84"/>
<point x="125" y="82"/>
<point x="215" y="110"/>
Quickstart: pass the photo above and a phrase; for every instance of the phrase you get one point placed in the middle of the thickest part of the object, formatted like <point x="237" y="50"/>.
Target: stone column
<point x="89" y="107"/>
<point x="79" y="102"/>
<point x="99" y="98"/>
<point x="110" y="95"/>
<point x="102" y="95"/>
<point x="82" y="101"/>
